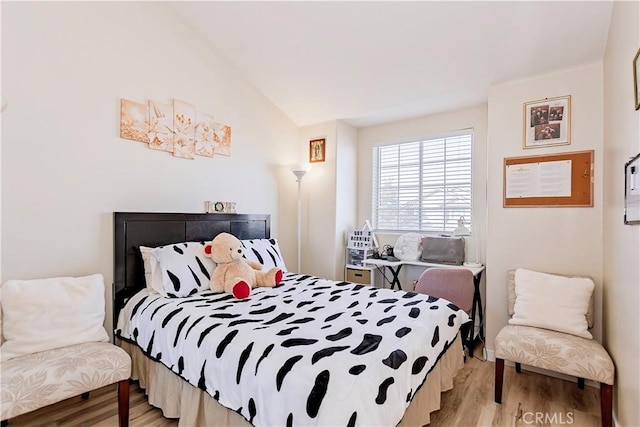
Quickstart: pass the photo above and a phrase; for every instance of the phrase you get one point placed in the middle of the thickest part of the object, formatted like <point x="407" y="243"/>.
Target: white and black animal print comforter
<point x="308" y="352"/>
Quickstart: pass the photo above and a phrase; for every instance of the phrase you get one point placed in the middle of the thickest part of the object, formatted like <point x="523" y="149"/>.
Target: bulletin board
<point x="551" y="180"/>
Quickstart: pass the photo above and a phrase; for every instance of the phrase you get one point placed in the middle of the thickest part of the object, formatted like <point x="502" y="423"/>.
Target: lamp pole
<point x="299" y="173"/>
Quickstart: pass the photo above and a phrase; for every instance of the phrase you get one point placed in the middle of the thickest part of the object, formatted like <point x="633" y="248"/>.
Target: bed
<point x="308" y="352"/>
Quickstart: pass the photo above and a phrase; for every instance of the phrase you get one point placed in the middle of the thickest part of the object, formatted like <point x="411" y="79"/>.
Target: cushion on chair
<point x="44" y="314"/>
<point x="555" y="351"/>
<point x="552" y="302"/>
<point x="511" y="297"/>
<point x="36" y="380"/>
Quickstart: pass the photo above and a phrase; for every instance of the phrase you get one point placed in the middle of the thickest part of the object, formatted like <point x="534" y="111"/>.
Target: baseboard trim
<point x="490" y="355"/>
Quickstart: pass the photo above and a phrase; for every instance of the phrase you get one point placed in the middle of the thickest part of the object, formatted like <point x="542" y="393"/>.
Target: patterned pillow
<point x="185" y="269"/>
<point x="264" y="251"/>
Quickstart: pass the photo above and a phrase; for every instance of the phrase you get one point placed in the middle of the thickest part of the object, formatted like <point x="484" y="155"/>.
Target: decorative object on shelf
<point x="300" y="170"/>
<point x="408" y="247"/>
<point x="363" y="238"/>
<point x="221" y="207"/>
<point x="632" y="191"/>
<point x="176" y="127"/>
<point x="359" y="239"/>
<point x="317" y="150"/>
<point x="636" y="76"/>
<point x="547" y="122"/>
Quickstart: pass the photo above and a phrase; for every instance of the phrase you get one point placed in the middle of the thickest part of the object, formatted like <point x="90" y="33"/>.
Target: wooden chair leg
<point x="499" y="376"/>
<point x="606" y="402"/>
<point x="518" y="367"/>
<point x="123" y="403"/>
<point x="581" y="383"/>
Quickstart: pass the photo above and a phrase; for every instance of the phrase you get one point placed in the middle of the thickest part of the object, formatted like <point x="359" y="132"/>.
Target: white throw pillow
<point x="44" y="314"/>
<point x="184" y="267"/>
<point x="552" y="302"/>
<point x="265" y="251"/>
<point x="152" y="273"/>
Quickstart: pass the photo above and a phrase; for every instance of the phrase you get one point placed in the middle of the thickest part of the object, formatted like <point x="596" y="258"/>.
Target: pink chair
<point x="452" y="284"/>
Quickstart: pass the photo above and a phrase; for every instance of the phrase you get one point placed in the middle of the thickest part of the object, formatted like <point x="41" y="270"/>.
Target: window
<point x="423" y="186"/>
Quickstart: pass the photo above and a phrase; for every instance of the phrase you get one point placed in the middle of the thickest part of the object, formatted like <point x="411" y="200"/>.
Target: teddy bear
<point x="234" y="274"/>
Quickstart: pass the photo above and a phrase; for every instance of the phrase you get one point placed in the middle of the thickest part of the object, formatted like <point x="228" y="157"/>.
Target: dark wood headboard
<point x="135" y="229"/>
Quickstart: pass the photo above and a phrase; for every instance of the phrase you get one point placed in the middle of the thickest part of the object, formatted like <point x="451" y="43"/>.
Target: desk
<point x="395" y="266"/>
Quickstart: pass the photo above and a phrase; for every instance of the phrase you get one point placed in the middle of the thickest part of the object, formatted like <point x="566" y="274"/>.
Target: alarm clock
<point x="221" y="207"/>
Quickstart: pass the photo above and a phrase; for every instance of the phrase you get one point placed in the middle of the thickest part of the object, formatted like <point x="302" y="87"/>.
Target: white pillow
<point x="184" y="268"/>
<point x="552" y="302"/>
<point x="265" y="251"/>
<point x="44" y="314"/>
<point x="152" y="273"/>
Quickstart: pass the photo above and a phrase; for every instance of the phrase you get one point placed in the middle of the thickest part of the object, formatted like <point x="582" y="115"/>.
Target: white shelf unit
<point x="355" y="271"/>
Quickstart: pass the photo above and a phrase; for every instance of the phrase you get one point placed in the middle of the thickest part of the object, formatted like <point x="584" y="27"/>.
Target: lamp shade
<point x="300" y="169"/>
<point x="461" y="229"/>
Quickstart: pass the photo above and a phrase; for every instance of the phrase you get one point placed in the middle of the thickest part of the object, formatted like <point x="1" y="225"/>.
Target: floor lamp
<point x="299" y="171"/>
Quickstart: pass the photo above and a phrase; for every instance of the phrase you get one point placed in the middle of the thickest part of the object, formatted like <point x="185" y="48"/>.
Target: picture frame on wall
<point x="632" y="191"/>
<point x="317" y="150"/>
<point x="547" y="122"/>
<point x="636" y="75"/>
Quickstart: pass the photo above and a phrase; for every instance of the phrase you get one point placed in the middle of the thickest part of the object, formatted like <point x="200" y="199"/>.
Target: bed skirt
<point x="194" y="407"/>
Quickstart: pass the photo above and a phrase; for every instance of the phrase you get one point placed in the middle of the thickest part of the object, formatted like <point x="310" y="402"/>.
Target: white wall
<point x="562" y="240"/>
<point x="65" y="66"/>
<point x="329" y="198"/>
<point x="420" y="128"/>
<point x="346" y="192"/>
<point x="319" y="203"/>
<point x="621" y="242"/>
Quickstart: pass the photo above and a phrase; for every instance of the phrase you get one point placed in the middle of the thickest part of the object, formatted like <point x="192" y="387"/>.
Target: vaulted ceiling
<point x="374" y="62"/>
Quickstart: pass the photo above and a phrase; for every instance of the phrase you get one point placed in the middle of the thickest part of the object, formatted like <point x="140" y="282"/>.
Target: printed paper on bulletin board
<point x="552" y="180"/>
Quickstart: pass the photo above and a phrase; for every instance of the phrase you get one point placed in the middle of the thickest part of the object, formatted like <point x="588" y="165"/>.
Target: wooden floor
<point x="528" y="399"/>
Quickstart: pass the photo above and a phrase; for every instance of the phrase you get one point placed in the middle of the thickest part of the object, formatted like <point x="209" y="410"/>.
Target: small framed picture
<point x="547" y="122"/>
<point x="316" y="150"/>
<point x="636" y="75"/>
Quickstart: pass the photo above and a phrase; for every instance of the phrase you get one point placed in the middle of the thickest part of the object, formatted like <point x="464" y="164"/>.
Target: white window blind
<point x="423" y="186"/>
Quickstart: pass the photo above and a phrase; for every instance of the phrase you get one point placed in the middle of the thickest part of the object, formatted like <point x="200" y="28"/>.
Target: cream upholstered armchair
<point x="54" y="345"/>
<point x="548" y="329"/>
